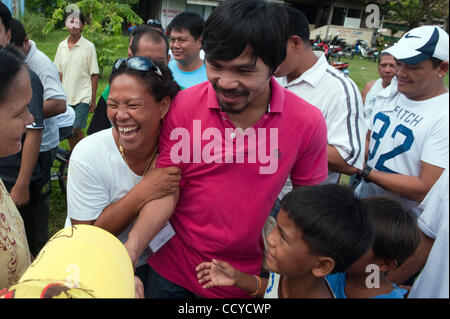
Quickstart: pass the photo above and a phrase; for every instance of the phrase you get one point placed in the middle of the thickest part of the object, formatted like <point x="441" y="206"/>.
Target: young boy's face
<point x="288" y="254"/>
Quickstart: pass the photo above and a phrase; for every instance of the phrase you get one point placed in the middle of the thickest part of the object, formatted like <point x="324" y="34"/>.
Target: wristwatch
<point x="365" y="174"/>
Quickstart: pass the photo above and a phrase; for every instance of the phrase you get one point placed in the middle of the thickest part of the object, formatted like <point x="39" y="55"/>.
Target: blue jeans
<point x="158" y="287"/>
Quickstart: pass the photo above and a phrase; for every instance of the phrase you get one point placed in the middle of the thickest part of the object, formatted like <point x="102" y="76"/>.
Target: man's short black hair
<point x="18" y="33"/>
<point x="435" y="62"/>
<point x="236" y="24"/>
<point x="190" y="21"/>
<point x="154" y="34"/>
<point x="297" y="24"/>
<point x="332" y="221"/>
<point x="397" y="235"/>
<point x="5" y="16"/>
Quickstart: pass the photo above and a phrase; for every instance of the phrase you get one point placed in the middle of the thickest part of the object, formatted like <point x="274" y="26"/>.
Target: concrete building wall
<point x="170" y="8"/>
<point x="350" y="35"/>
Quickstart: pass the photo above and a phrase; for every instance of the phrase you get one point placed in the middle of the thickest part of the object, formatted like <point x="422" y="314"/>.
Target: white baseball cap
<point x="420" y="44"/>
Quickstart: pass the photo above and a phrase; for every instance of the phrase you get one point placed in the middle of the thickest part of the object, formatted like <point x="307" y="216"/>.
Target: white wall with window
<point x="170" y="8"/>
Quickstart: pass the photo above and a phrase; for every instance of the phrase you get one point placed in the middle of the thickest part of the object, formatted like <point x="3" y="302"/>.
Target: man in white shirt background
<point x="408" y="137"/>
<point x="308" y="74"/>
<point x="76" y="60"/>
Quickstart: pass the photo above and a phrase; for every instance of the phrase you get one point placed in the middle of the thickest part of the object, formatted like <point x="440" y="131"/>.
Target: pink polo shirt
<point x="230" y="182"/>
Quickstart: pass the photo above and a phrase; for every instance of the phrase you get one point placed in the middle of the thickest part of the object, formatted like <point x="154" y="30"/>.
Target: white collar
<point x="313" y="75"/>
<point x="31" y="52"/>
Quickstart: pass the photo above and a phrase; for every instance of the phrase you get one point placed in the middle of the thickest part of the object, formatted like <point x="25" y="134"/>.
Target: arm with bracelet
<point x="219" y="273"/>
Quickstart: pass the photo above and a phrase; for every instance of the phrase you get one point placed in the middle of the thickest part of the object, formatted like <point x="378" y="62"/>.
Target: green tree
<point x="106" y="19"/>
<point x="44" y="7"/>
<point x="414" y="12"/>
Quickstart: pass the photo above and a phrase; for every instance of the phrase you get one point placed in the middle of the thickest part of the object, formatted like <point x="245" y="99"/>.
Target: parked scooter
<point x="362" y="50"/>
<point x="334" y="52"/>
<point x="342" y="66"/>
<point x="320" y="45"/>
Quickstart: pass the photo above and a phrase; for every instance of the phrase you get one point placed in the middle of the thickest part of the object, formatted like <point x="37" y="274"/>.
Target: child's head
<point x="396" y="235"/>
<point x="320" y="230"/>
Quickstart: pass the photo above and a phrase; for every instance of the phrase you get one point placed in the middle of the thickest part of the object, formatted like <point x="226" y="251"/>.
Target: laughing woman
<point x="15" y="94"/>
<point x="111" y="173"/>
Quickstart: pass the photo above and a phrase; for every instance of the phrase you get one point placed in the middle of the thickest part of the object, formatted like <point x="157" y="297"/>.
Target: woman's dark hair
<point x="396" y="232"/>
<point x="332" y="221"/>
<point x="10" y="67"/>
<point x="5" y="16"/>
<point x="236" y="24"/>
<point x="159" y="87"/>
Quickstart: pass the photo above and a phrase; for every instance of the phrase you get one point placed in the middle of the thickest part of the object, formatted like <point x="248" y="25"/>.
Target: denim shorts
<point x="81" y="114"/>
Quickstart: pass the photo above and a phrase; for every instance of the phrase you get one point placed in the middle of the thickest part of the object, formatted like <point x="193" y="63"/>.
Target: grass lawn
<point x="361" y="71"/>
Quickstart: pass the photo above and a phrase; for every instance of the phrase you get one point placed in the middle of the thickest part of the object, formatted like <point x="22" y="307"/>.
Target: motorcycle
<point x="334" y="52"/>
<point x="362" y="50"/>
<point x="341" y="66"/>
<point x="320" y="45"/>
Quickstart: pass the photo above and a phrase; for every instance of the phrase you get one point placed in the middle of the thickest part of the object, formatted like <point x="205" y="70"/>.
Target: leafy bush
<point x="34" y="24"/>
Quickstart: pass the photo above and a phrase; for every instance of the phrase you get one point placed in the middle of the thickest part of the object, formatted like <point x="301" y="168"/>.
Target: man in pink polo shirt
<point x="236" y="139"/>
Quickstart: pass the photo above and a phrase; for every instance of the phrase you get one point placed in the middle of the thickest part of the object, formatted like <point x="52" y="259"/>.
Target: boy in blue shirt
<point x="396" y="238"/>
<point x="320" y="229"/>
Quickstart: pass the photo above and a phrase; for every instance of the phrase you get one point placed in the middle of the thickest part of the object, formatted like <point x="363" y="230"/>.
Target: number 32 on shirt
<point x="380" y="135"/>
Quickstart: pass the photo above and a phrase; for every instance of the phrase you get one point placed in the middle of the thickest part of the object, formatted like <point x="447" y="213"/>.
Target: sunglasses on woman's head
<point x="138" y="63"/>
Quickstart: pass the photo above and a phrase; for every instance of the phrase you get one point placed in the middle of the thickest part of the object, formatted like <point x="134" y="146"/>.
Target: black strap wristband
<point x="365" y="173"/>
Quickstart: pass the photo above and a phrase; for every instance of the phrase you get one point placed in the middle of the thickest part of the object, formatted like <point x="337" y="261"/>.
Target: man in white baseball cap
<point x="408" y="137"/>
<point x="420" y="44"/>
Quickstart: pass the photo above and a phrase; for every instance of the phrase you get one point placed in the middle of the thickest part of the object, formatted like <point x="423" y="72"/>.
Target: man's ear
<point x="8" y="36"/>
<point x="387" y="264"/>
<point x="295" y="41"/>
<point x="165" y="104"/>
<point x="199" y="42"/>
<point x="130" y="53"/>
<point x="323" y="267"/>
<point x="443" y="68"/>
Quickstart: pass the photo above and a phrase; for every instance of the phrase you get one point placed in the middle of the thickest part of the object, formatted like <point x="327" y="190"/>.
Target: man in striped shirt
<point x="308" y="74"/>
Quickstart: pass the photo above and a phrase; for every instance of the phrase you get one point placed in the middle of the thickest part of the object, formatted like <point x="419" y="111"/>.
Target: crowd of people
<point x="220" y="174"/>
